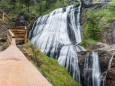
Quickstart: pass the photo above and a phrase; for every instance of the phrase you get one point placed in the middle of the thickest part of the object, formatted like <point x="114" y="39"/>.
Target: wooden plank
<point x="25" y="41"/>
<point x="20" y="35"/>
<point x="4" y="17"/>
<point x="19" y="39"/>
<point x="18" y="31"/>
<point x="19" y="27"/>
<point x="11" y="33"/>
<point x="9" y="40"/>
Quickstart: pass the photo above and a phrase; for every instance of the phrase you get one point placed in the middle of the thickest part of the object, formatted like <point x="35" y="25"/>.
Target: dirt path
<point x="16" y="70"/>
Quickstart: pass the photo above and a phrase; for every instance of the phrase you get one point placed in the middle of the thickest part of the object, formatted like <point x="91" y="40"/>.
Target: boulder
<point x="110" y="79"/>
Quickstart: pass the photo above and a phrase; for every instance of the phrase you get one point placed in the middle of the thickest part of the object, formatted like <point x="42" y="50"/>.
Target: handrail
<point x="20" y="29"/>
<point x="3" y="17"/>
<point x="10" y="38"/>
<point x="20" y="33"/>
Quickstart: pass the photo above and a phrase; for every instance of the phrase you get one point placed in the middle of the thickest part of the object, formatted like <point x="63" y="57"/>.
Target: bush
<point x="92" y="30"/>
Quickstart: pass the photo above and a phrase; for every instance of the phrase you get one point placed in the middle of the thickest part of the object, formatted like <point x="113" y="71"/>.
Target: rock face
<point x="110" y="77"/>
<point x="109" y="33"/>
<point x="3" y="36"/>
<point x="105" y="55"/>
<point x="98" y="45"/>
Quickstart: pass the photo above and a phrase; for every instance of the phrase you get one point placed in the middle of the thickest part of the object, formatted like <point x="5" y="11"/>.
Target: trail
<point x="16" y="70"/>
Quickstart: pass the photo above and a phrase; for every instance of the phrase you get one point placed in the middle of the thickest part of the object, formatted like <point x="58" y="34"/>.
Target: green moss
<point x="49" y="67"/>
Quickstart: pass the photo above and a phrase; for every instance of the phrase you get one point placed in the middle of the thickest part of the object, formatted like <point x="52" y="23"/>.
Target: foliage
<point x="88" y="43"/>
<point x="108" y="12"/>
<point x="49" y="67"/>
<point x="92" y="30"/>
<point x="97" y="18"/>
<point x="32" y="8"/>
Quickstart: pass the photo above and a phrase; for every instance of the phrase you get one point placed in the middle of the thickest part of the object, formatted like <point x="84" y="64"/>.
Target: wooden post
<point x="25" y="40"/>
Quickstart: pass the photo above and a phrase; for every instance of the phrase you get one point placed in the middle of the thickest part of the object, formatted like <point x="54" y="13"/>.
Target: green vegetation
<point x="92" y="31"/>
<point x="33" y="7"/>
<point x="97" y="19"/>
<point x="49" y="67"/>
<point x="108" y="12"/>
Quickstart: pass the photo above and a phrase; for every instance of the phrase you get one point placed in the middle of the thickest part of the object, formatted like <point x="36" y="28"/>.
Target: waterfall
<point x="87" y="71"/>
<point x="58" y="35"/>
<point x="96" y="70"/>
<point x="110" y="61"/>
<point x="91" y="72"/>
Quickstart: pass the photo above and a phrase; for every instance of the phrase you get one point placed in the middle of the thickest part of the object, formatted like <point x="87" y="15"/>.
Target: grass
<point x="49" y="67"/>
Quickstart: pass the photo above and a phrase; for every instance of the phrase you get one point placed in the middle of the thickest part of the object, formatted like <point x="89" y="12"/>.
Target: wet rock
<point x="105" y="54"/>
<point x="110" y="79"/>
<point x="81" y="57"/>
<point x="98" y="45"/>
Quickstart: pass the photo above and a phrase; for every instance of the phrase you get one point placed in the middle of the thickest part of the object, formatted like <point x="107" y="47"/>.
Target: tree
<point x="27" y="3"/>
<point x="13" y="2"/>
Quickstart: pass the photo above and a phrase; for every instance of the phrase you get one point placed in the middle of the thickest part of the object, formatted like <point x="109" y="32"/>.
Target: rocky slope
<point x="105" y="45"/>
<point x="3" y="36"/>
<point x="105" y="55"/>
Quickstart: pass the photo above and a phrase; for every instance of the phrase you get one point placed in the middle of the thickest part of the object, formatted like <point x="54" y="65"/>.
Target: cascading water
<point x="91" y="72"/>
<point x="110" y="61"/>
<point x="96" y="70"/>
<point x="58" y="35"/>
<point x="87" y="70"/>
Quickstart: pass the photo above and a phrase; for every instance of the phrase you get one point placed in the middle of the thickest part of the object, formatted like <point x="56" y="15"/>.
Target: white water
<point x="58" y="34"/>
<point x="110" y="61"/>
<point x="96" y="70"/>
<point x="91" y="72"/>
<point x="87" y="71"/>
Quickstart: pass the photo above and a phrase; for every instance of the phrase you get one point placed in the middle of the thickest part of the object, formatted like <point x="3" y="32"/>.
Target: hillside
<point x="99" y="21"/>
<point x="49" y="67"/>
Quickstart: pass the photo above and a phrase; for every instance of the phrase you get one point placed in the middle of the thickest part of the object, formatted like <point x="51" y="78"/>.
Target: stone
<point x="110" y="79"/>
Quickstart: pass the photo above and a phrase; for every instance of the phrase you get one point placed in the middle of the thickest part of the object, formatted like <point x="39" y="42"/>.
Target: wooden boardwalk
<point x="16" y="70"/>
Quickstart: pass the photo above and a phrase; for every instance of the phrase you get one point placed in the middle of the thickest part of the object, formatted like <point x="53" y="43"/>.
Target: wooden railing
<point x="3" y="17"/>
<point x="20" y="33"/>
<point x="10" y="38"/>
